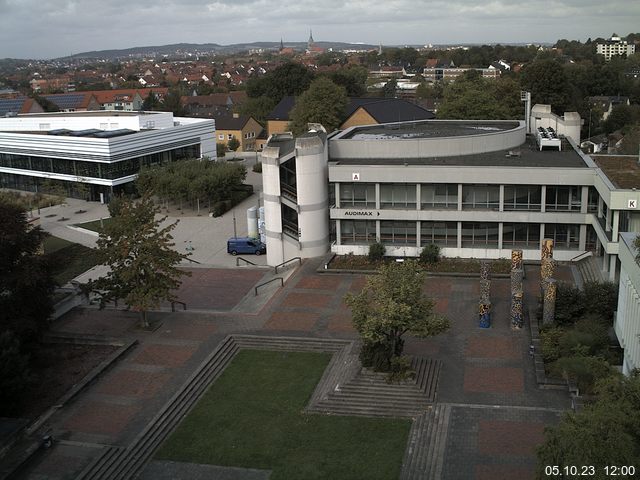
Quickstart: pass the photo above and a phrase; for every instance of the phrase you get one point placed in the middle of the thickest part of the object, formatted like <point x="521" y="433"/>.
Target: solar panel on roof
<point x="66" y="101"/>
<point x="11" y="105"/>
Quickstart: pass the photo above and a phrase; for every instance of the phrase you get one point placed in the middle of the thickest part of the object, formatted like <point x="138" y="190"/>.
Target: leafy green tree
<point x="15" y="374"/>
<point x="352" y="78"/>
<point x="233" y="144"/>
<point x="139" y="252"/>
<point x="548" y="84"/>
<point x="389" y="89"/>
<point x="258" y="108"/>
<point x="604" y="433"/>
<point x="220" y="149"/>
<point x="622" y="116"/>
<point x="287" y="79"/>
<point x="151" y="103"/>
<point x="26" y="281"/>
<point x="391" y="305"/>
<point x="324" y="102"/>
<point x="172" y="102"/>
<point x="377" y="251"/>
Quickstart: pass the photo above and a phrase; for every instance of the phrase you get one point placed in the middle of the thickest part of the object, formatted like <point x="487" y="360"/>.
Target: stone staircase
<point x="117" y="463"/>
<point x="424" y="456"/>
<point x="369" y="394"/>
<point x="589" y="269"/>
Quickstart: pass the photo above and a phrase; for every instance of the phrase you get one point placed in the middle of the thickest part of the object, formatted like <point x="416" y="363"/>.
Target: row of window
<point x="473" y="234"/>
<point x="109" y="171"/>
<point x="474" y="197"/>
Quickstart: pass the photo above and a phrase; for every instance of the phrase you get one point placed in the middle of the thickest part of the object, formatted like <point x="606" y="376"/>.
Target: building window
<point x="357" y="232"/>
<point x="444" y="234"/>
<point x="439" y="196"/>
<point x="398" y="196"/>
<point x="521" y="235"/>
<point x="480" y="197"/>
<point x="357" y="195"/>
<point x="522" y="197"/>
<point x="398" y="232"/>
<point x="229" y="136"/>
<point x="221" y="136"/>
<point x="563" y="199"/>
<point x="479" y="235"/>
<point x="565" y="237"/>
<point x="592" y="202"/>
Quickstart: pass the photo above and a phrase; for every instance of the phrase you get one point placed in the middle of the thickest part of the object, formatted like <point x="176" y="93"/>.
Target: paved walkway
<point x="487" y="378"/>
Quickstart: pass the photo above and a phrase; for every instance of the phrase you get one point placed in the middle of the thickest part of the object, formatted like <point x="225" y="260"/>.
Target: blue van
<point x="236" y="245"/>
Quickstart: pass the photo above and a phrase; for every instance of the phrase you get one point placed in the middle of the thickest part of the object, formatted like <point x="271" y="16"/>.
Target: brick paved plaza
<point x="497" y="416"/>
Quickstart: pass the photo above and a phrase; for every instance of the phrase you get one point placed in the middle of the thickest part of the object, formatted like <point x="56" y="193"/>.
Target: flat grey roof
<point x="428" y="129"/>
<point x="529" y="156"/>
<point x="91" y="113"/>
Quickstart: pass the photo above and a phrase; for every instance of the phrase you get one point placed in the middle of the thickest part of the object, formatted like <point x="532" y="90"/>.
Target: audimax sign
<point x="361" y="213"/>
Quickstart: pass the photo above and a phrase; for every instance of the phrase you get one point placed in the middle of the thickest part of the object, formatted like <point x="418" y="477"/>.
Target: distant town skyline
<point x="55" y="28"/>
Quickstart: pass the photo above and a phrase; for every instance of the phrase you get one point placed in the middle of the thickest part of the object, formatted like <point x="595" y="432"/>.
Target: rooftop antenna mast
<point x="526" y="98"/>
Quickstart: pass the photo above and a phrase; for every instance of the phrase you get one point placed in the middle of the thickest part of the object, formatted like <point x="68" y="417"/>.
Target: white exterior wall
<point x="272" y="207"/>
<point x="313" y="196"/>
<point x="103" y="120"/>
<point x="627" y="320"/>
<point x="568" y="125"/>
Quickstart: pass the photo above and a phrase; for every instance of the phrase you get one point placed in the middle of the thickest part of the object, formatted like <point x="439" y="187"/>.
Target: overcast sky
<point x="54" y="28"/>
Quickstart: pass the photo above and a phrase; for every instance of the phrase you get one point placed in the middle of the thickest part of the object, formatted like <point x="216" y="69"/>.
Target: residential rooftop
<point x="622" y="170"/>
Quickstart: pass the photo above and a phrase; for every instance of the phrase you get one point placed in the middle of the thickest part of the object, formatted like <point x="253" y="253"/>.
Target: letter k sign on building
<point x="355" y="177"/>
<point x="632" y="204"/>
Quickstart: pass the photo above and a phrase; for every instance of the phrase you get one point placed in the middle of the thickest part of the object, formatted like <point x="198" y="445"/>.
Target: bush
<point x="221" y="148"/>
<point x="219" y="208"/>
<point x="569" y="304"/>
<point x="585" y="371"/>
<point x="257" y="167"/>
<point x="601" y="298"/>
<point x="115" y="206"/>
<point x="15" y="375"/>
<point x="400" y="369"/>
<point x="430" y="254"/>
<point x="550" y="343"/>
<point x="377" y="251"/>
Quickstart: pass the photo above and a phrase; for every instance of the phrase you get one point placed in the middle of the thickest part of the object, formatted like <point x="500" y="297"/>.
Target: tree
<point x="234" y="144"/>
<point x="604" y="433"/>
<point x="15" y="375"/>
<point x="287" y="79"/>
<point x="26" y="281"/>
<point x="548" y="84"/>
<point x="389" y="89"/>
<point x="352" y="78"/>
<point x="220" y="149"/>
<point x="143" y="265"/>
<point x="151" y="103"/>
<point x="258" y="108"/>
<point x="392" y="304"/>
<point x="323" y="103"/>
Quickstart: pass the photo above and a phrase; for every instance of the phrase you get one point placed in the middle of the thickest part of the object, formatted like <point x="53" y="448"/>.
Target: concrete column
<point x="418" y="196"/>
<point x="543" y="201"/>
<point x="615" y="224"/>
<point x="582" y="241"/>
<point x="338" y="231"/>
<point x="378" y="230"/>
<point x="541" y="234"/>
<point x="613" y="260"/>
<point x="584" y="204"/>
<point x="459" y="198"/>
<point x="605" y="262"/>
<point x="459" y="235"/>
<point x="378" y="201"/>
<point x="600" y="202"/>
<point x="607" y="225"/>
<point x="337" y="194"/>
<point x="501" y="202"/>
<point x="418" y="234"/>
<point x="500" y="230"/>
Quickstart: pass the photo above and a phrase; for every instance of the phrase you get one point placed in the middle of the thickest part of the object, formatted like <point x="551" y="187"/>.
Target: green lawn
<point x="252" y="417"/>
<point x="69" y="259"/>
<point x="95" y="225"/>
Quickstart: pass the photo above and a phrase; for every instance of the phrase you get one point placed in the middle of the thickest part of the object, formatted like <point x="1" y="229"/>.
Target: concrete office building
<point x="103" y="149"/>
<point x="476" y="188"/>
<point x="627" y="318"/>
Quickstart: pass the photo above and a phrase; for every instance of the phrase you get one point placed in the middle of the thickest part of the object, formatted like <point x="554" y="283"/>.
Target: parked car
<point x="236" y="245"/>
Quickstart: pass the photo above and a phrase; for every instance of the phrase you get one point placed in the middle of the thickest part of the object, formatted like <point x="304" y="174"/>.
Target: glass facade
<point x="443" y="234"/>
<point x="357" y="232"/>
<point x="523" y="197"/>
<point x="479" y="235"/>
<point x="393" y="232"/>
<point x="563" y="199"/>
<point x="398" y="195"/>
<point x="362" y="195"/>
<point x="439" y="196"/>
<point x="565" y="237"/>
<point x="522" y="235"/>
<point x="480" y="197"/>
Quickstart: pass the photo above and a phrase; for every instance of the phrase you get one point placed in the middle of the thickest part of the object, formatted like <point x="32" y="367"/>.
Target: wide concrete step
<point x="381" y="392"/>
<point x="391" y="402"/>
<point x="367" y="411"/>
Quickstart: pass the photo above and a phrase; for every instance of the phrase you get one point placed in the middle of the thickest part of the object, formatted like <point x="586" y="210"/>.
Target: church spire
<point x="310" y="42"/>
<point x="281" y="44"/>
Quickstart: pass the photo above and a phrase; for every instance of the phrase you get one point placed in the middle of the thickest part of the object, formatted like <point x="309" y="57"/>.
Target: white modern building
<point x="476" y="188"/>
<point x="615" y="46"/>
<point x="627" y="318"/>
<point x="103" y="149"/>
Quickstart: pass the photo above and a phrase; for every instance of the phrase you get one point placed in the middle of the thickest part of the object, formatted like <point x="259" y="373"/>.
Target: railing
<point x="288" y="261"/>
<point x="268" y="282"/>
<point x="194" y="261"/>
<point x="244" y="260"/>
<point x="173" y="305"/>
<point x="583" y="254"/>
